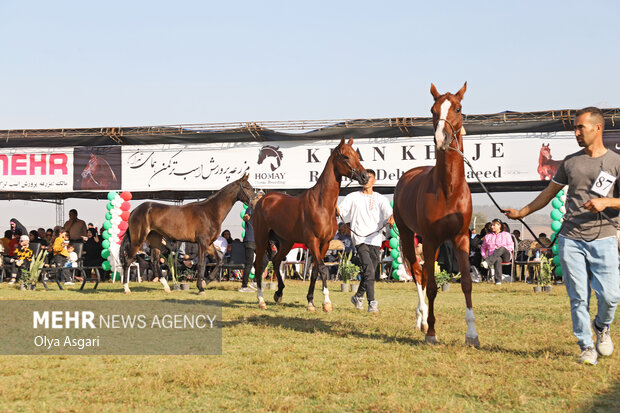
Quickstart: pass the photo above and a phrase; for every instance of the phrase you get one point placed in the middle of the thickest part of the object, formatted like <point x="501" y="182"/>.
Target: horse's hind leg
<point x="407" y="244"/>
<point x="261" y="237"/>
<point x="428" y="281"/>
<point x="462" y="256"/>
<point x="285" y="247"/>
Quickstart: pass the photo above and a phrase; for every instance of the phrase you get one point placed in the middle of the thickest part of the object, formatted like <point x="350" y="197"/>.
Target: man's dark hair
<point x="372" y="172"/>
<point x="74" y="211"/>
<point x="595" y="114"/>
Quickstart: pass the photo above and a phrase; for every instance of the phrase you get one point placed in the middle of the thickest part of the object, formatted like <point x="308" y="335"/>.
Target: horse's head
<point x="91" y="166"/>
<point x="447" y="117"/>
<point x="245" y="191"/>
<point x="545" y="152"/>
<point x="347" y="162"/>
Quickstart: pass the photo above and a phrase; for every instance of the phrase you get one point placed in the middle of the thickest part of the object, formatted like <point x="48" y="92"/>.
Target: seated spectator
<point x="187" y="256"/>
<point x="15" y="225"/>
<point x="21" y="261"/>
<point x="497" y="247"/>
<point x="60" y="255"/>
<point x="8" y="234"/>
<point x="541" y="248"/>
<point x="221" y="246"/>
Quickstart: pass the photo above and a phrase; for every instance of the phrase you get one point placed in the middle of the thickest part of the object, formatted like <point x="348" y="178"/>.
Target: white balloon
<point x="114" y="231"/>
<point x="116" y="212"/>
<point x="117" y="202"/>
<point x="400" y="260"/>
<point x="400" y="272"/>
<point x="563" y="198"/>
<point x="563" y="209"/>
<point x="116" y="220"/>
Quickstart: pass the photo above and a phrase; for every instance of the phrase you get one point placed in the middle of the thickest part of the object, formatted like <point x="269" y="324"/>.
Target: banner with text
<point x="271" y="165"/>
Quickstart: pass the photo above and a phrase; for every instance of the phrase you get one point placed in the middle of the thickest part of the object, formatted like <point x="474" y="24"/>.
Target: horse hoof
<point x="202" y="293"/>
<point x="472" y="341"/>
<point x="277" y="298"/>
<point x="431" y="340"/>
<point x="262" y="305"/>
<point x="127" y="292"/>
<point x="204" y="284"/>
<point x="327" y="307"/>
<point x="311" y="308"/>
<point x="166" y="289"/>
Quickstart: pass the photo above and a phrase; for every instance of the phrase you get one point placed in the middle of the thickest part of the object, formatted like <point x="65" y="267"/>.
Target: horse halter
<point x="345" y="160"/>
<point x="453" y="136"/>
<point x="245" y="192"/>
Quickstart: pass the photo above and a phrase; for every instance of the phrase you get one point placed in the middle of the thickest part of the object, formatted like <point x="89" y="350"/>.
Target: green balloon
<point x="393" y="233"/>
<point x="105" y="254"/>
<point x="251" y="277"/>
<point x="109" y="206"/>
<point x="395" y="274"/>
<point x="392" y="203"/>
<point x="393" y="242"/>
<point x="243" y="234"/>
<point x="243" y="224"/>
<point x="105" y="234"/>
<point x="111" y="195"/>
<point x="558" y="271"/>
<point x="108" y="216"/>
<point x="556" y="203"/>
<point x="241" y="214"/>
<point x="107" y="224"/>
<point x="556" y="215"/>
<point x="116" y="276"/>
<point x="245" y="207"/>
<point x="106" y="265"/>
<point x="555" y="226"/>
<point x="556" y="260"/>
<point x="559" y="194"/>
<point x="555" y="234"/>
<point x="395" y="264"/>
<point x="395" y="253"/>
<point x="554" y="249"/>
<point x="105" y="244"/>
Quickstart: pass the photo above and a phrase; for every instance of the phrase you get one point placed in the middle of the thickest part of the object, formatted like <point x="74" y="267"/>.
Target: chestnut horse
<point x="435" y="202"/>
<point x="547" y="167"/>
<point x="98" y="174"/>
<point x="308" y="218"/>
<point x="198" y="222"/>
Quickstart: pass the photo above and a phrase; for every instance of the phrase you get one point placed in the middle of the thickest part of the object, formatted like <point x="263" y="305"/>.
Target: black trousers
<point x="369" y="256"/>
<point x="495" y="261"/>
<point x="250" y="251"/>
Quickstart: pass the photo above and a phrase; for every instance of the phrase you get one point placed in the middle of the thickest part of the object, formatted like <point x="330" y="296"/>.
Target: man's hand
<point x="513" y="213"/>
<point x="337" y="211"/>
<point x="596" y="204"/>
<point x="246" y="217"/>
<point x="391" y="220"/>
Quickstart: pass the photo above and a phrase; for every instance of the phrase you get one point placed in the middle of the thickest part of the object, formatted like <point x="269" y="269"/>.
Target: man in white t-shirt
<point x="367" y="213"/>
<point x="221" y="245"/>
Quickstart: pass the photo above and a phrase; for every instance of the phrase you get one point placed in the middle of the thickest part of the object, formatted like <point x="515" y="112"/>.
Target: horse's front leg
<point x="310" y="295"/>
<point x="327" y="304"/>
<point x="462" y="256"/>
<point x="125" y="276"/>
<point x="430" y="285"/>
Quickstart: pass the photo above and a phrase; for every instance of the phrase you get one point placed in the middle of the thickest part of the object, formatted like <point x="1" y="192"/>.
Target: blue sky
<point x="134" y="63"/>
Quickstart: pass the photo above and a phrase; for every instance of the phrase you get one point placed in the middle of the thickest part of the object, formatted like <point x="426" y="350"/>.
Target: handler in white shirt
<point x="367" y="212"/>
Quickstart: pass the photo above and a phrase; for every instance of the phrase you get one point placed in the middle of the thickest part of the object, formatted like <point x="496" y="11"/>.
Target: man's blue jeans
<point x="588" y="265"/>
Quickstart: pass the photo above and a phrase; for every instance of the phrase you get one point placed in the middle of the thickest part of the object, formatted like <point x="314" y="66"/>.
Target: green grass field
<point x="286" y="359"/>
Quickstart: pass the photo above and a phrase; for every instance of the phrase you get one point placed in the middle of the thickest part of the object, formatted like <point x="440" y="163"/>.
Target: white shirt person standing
<point x="367" y="212"/>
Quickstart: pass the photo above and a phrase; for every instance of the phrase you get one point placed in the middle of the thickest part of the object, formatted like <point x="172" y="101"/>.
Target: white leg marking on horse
<point x="441" y="125"/>
<point x="163" y="281"/>
<point x="471" y="337"/>
<point x="126" y="287"/>
<point x="326" y="295"/>
<point x="422" y="311"/>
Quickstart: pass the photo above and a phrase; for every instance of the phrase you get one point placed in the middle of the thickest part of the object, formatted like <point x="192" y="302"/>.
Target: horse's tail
<point x="124" y="248"/>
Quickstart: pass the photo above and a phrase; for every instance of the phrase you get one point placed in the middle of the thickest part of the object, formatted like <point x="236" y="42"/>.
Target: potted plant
<point x="185" y="278"/>
<point x="442" y="278"/>
<point x="30" y="276"/>
<point x="270" y="275"/>
<point x="171" y="262"/>
<point x="348" y="271"/>
<point x="545" y="274"/>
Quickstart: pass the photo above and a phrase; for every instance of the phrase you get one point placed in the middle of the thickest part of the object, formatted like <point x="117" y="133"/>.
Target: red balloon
<point x="125" y="206"/>
<point x="123" y="226"/>
<point x="121" y="234"/>
<point x="125" y="215"/>
<point x="126" y="196"/>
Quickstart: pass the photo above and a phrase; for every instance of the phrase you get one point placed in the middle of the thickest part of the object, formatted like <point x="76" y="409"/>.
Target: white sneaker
<point x="405" y="277"/>
<point x="484" y="264"/>
<point x="383" y="276"/>
<point x="604" y="345"/>
<point x="358" y="302"/>
<point x="68" y="283"/>
<point x="12" y="281"/>
<point x="253" y="286"/>
<point x="588" y="356"/>
<point x="373" y="307"/>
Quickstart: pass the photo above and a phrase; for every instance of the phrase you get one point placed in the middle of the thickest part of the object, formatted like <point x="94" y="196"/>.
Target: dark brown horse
<point x="309" y="218"/>
<point x="98" y="174"/>
<point x="198" y="222"/>
<point x="435" y="202"/>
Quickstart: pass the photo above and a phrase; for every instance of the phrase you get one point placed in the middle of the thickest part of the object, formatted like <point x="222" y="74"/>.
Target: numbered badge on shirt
<point x="603" y="183"/>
